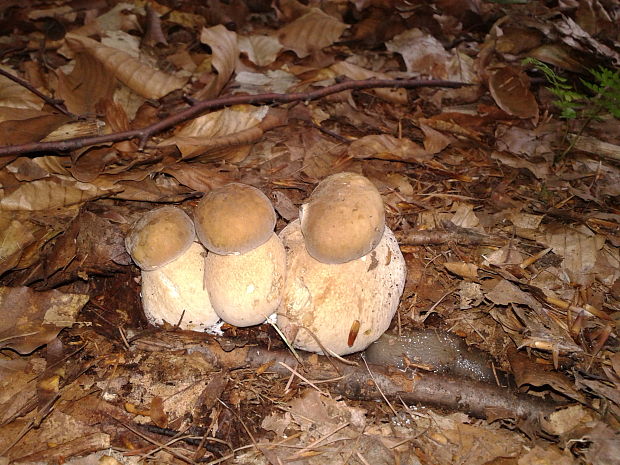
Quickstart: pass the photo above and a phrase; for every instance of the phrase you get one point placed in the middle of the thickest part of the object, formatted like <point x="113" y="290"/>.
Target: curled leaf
<point x="510" y="88"/>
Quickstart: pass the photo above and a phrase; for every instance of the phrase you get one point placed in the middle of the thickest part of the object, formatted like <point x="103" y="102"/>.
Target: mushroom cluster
<point x="334" y="277"/>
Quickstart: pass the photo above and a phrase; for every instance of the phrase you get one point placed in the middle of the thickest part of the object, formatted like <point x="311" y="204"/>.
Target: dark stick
<point x="143" y="134"/>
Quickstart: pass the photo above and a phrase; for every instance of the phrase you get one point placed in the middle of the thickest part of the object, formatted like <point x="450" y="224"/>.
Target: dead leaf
<point x="386" y="147"/>
<point x="88" y="83"/>
<point x="462" y="269"/>
<point x="261" y="50"/>
<point x="311" y="32"/>
<point x="353" y="71"/>
<point x="510" y="88"/>
<point x="139" y="77"/>
<point x="225" y="53"/>
<point x="32" y="319"/>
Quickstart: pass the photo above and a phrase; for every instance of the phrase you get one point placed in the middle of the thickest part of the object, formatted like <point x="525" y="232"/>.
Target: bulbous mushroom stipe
<point x="246" y="264"/>
<point x="345" y="306"/>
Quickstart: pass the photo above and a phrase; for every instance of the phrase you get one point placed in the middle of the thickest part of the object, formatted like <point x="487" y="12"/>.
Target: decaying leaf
<point x="13" y="95"/>
<point x="261" y="50"/>
<point x="31" y="318"/>
<point x="225" y="53"/>
<point x="353" y="71"/>
<point x="139" y="77"/>
<point x="311" y="32"/>
<point x="510" y="89"/>
<point x="386" y="147"/>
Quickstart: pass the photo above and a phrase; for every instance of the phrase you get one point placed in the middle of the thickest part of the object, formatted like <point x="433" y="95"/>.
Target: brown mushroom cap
<point x="234" y="219"/>
<point x="345" y="306"/>
<point x="159" y="237"/>
<point x="245" y="289"/>
<point x="343" y="219"/>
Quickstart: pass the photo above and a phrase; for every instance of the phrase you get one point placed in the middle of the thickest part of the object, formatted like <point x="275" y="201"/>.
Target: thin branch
<point x="58" y="104"/>
<point x="143" y="134"/>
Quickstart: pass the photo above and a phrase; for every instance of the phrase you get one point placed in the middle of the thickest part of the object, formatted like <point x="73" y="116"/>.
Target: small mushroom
<point x="345" y="306"/>
<point x="162" y="244"/>
<point x="246" y="264"/>
<point x="343" y="219"/>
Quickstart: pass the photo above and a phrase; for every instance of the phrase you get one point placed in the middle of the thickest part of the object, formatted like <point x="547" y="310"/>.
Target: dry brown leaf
<point x="358" y="73"/>
<point x="30" y="130"/>
<point x="311" y="32"/>
<point x="558" y="55"/>
<point x="88" y="83"/>
<point x="518" y="39"/>
<point x="13" y="95"/>
<point x="18" y="385"/>
<point x="53" y="192"/>
<point x="198" y="176"/>
<point x="31" y="319"/>
<point x="423" y="54"/>
<point x="462" y="269"/>
<point x="261" y="50"/>
<point x="17" y="114"/>
<point x="434" y="141"/>
<point x="16" y="234"/>
<point x="510" y="88"/>
<point x="225" y="53"/>
<point x="229" y="121"/>
<point x="139" y="77"/>
<point x="386" y="147"/>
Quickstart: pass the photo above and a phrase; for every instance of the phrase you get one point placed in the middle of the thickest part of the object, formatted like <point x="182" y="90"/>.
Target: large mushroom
<point x="246" y="264"/>
<point x="340" y="302"/>
<point x="162" y="244"/>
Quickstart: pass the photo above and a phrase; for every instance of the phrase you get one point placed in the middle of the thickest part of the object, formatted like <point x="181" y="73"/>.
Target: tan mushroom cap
<point x="159" y="237"/>
<point x="345" y="306"/>
<point x="175" y="292"/>
<point x="245" y="289"/>
<point x="234" y="219"/>
<point x="343" y="219"/>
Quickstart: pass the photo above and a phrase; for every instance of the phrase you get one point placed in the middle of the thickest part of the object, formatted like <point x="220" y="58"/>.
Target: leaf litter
<point x="506" y="213"/>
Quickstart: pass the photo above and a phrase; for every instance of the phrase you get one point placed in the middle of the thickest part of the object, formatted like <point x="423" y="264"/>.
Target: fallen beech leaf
<point x="14" y="95"/>
<point x="311" y="32"/>
<point x="139" y="77"/>
<point x="198" y="176"/>
<point x="434" y="141"/>
<point x="510" y="88"/>
<point x="198" y="133"/>
<point x="358" y="73"/>
<point x="30" y="130"/>
<point x="559" y="55"/>
<point x="261" y="50"/>
<point x="465" y="270"/>
<point x="386" y="147"/>
<point x="88" y="83"/>
<point x="225" y="53"/>
<point x="423" y="54"/>
<point x="53" y="192"/>
<point x="31" y="319"/>
<point x="15" y="235"/>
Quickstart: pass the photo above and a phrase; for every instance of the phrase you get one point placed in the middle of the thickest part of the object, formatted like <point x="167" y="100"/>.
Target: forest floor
<point x="491" y="130"/>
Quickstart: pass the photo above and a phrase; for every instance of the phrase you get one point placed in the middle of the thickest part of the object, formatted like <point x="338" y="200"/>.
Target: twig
<point x="144" y="134"/>
<point x="50" y="101"/>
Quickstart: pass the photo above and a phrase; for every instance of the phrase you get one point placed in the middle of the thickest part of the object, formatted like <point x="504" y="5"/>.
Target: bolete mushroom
<point x="246" y="264"/>
<point x="162" y="244"/>
<point x="340" y="308"/>
<point x="343" y="219"/>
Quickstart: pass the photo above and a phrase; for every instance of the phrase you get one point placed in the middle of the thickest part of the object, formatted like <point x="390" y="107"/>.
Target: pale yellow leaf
<point x="311" y="32"/>
<point x="139" y="77"/>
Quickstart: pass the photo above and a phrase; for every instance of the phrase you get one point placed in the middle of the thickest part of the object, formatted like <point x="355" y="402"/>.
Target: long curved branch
<point x="143" y="134"/>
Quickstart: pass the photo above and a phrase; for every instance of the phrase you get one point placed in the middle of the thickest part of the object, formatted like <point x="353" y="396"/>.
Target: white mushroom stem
<point x="245" y="289"/>
<point x="345" y="306"/>
<point x="175" y="292"/>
